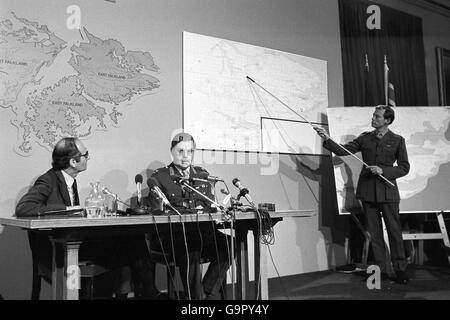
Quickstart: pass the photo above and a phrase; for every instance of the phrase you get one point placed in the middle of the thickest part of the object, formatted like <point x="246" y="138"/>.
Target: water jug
<point x="95" y="202"/>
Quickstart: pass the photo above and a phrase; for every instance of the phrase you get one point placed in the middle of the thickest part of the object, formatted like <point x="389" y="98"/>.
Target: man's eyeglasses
<point x="86" y="155"/>
<point x="182" y="152"/>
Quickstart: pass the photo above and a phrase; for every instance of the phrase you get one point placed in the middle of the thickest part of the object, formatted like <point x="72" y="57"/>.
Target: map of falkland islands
<point x="427" y="136"/>
<point x="226" y="111"/>
<point x="105" y="76"/>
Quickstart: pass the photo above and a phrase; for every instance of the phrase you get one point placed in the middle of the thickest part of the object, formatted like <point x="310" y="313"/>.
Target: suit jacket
<point x="382" y="153"/>
<point x="48" y="193"/>
<point x="183" y="199"/>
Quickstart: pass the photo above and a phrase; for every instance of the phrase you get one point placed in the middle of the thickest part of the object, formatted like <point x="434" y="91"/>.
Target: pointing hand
<point x="322" y="133"/>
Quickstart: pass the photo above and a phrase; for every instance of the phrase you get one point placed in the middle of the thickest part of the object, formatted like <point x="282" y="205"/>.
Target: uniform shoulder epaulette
<point x="364" y="134"/>
<point x="396" y="135"/>
<point x="200" y="169"/>
<point x="159" y="170"/>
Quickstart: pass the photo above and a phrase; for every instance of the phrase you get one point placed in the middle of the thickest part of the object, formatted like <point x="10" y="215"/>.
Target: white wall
<point x="307" y="27"/>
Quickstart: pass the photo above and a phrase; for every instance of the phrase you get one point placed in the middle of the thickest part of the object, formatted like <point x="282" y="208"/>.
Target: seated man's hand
<point x="199" y="208"/>
<point x="74" y="208"/>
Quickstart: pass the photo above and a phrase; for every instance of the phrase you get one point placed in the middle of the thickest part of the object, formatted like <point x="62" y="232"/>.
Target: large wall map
<point x="427" y="135"/>
<point x="224" y="110"/>
<point x="102" y="76"/>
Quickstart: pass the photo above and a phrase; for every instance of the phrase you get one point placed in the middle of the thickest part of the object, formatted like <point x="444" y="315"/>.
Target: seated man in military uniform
<point x="203" y="239"/>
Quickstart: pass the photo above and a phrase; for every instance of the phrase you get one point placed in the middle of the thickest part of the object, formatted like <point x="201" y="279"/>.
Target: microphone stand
<point x="243" y="193"/>
<point x="139" y="202"/>
<point x="118" y="200"/>
<point x="233" y="293"/>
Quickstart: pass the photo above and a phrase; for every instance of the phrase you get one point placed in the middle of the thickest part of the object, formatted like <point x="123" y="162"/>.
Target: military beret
<point x="181" y="137"/>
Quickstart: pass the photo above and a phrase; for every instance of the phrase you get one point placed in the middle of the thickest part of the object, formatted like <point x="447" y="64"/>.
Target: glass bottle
<point x="95" y="202"/>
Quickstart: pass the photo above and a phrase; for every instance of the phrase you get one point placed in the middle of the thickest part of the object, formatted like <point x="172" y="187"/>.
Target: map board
<point x="224" y="110"/>
<point x="55" y="88"/>
<point x="427" y="135"/>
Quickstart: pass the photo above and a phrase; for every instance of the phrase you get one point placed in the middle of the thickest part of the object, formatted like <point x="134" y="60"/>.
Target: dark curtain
<point x="399" y="39"/>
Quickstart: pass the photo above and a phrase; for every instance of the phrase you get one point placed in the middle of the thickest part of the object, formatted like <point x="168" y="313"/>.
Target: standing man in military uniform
<point x="380" y="149"/>
<point x="203" y="240"/>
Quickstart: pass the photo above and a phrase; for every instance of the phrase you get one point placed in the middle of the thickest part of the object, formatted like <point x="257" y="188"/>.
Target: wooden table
<point x="67" y="234"/>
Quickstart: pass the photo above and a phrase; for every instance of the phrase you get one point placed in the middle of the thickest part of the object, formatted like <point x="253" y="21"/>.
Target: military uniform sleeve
<point x="353" y="146"/>
<point x="402" y="167"/>
<point x="35" y="200"/>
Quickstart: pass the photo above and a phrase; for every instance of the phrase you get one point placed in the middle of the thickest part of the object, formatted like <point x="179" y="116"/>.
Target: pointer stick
<point x="276" y="98"/>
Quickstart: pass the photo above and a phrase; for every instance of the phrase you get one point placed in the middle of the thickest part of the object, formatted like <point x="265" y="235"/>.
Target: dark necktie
<point x="76" y="201"/>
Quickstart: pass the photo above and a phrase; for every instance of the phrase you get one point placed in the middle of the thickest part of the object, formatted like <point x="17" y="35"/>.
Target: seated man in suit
<point x="202" y="239"/>
<point x="57" y="190"/>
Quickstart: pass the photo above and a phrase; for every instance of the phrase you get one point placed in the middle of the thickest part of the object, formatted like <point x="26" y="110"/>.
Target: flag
<point x="389" y="91"/>
<point x="391" y="95"/>
<point x="368" y="99"/>
<point x="369" y="85"/>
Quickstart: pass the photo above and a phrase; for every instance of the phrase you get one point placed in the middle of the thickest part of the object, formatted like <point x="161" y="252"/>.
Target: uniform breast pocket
<point x="390" y="150"/>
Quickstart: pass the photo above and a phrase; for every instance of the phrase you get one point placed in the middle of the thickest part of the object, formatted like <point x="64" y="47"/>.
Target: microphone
<point x="226" y="199"/>
<point x="243" y="191"/>
<point x="179" y="179"/>
<point x="105" y="190"/>
<point x="182" y="180"/>
<point x="205" y="176"/>
<point x="138" y="179"/>
<point x="153" y="185"/>
<point x="229" y="197"/>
